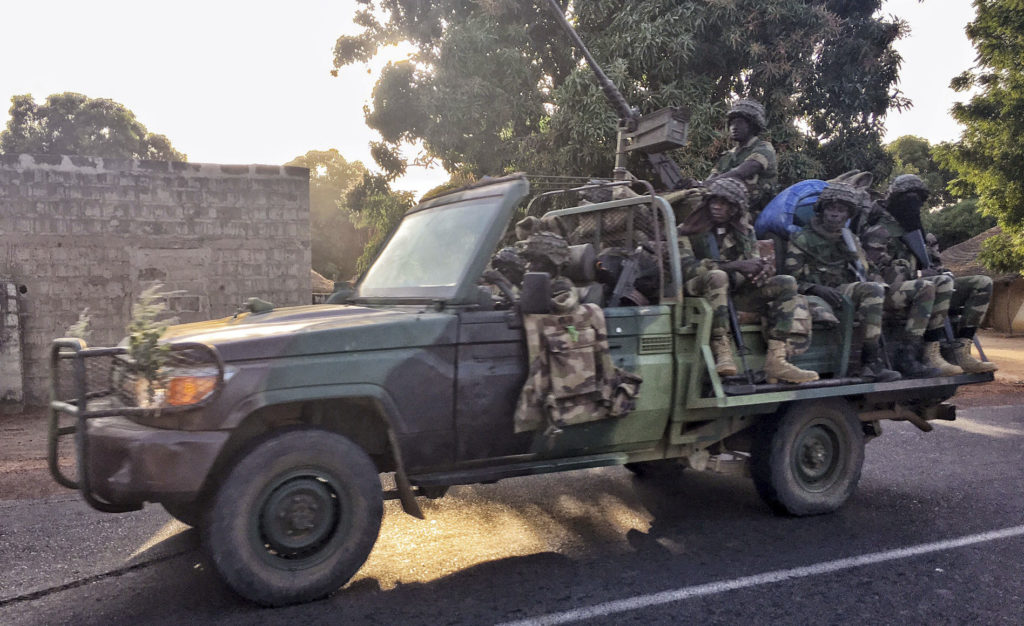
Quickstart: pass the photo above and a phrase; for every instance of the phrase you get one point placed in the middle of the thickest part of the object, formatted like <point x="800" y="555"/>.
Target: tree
<point x="957" y="223"/>
<point x="495" y="86"/>
<point x="335" y="239"/>
<point x="989" y="158"/>
<point x="71" y="123"/>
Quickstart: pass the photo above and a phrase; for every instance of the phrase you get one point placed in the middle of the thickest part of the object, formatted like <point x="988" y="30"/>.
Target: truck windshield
<point x="431" y="251"/>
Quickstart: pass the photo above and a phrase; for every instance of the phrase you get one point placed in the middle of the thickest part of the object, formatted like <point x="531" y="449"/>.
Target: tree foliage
<point x="495" y="86"/>
<point x="335" y="239"/>
<point x="1003" y="253"/>
<point x="989" y="157"/>
<point x="71" y="123"/>
<point x="957" y="223"/>
<point x="378" y="208"/>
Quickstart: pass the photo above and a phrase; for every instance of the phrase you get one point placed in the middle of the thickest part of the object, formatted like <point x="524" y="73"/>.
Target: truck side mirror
<point x="535" y="297"/>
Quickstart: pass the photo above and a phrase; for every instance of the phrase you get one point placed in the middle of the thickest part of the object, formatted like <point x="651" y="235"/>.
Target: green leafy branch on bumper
<point x="147" y="354"/>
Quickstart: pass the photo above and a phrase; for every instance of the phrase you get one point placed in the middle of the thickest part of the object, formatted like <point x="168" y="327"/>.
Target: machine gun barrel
<point x="652" y="134"/>
<point x="627" y="114"/>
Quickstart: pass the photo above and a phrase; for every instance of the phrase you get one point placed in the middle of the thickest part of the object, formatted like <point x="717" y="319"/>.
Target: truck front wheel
<point x="295" y="518"/>
<point x="808" y="460"/>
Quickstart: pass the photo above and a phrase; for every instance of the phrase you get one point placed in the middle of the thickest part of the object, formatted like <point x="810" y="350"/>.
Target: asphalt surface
<point x="934" y="535"/>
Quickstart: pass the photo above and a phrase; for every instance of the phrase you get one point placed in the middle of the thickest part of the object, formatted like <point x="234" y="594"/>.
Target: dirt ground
<point x="23" y="464"/>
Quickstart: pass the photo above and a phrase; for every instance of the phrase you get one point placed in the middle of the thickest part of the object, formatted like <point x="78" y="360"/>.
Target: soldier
<point x="721" y="219"/>
<point x="823" y="266"/>
<point x="916" y="296"/>
<point x="752" y="160"/>
<point x="901" y="217"/>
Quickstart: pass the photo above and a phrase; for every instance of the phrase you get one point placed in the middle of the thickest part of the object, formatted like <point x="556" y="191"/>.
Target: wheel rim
<point x="300" y="519"/>
<point x="817" y="456"/>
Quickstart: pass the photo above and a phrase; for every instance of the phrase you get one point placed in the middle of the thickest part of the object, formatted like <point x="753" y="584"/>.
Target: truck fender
<point x="392" y="419"/>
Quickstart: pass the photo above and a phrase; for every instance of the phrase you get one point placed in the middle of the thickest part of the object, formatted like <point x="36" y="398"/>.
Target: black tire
<point x="295" y="518"/>
<point x="808" y="460"/>
<point x="188" y="513"/>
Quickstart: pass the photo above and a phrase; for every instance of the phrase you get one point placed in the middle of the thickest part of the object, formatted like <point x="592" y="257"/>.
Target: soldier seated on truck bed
<point x="717" y="246"/>
<point x="823" y="266"/>
<point x="898" y="215"/>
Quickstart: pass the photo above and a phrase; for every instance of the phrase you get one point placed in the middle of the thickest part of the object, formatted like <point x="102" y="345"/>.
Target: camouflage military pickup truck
<point x="271" y="431"/>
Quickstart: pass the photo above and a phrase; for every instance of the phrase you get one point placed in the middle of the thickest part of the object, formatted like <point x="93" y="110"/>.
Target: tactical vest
<point x="572" y="379"/>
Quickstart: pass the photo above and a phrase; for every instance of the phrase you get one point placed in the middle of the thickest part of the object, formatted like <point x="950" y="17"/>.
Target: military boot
<point x="873" y="367"/>
<point x="907" y="358"/>
<point x="933" y="358"/>
<point x="970" y="364"/>
<point x="778" y="369"/>
<point x="721" y="348"/>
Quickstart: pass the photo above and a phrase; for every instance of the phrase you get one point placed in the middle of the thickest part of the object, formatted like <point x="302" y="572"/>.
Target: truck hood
<point x="316" y="329"/>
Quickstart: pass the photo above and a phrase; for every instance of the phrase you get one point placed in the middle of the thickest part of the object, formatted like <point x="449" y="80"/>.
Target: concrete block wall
<point x="79" y="232"/>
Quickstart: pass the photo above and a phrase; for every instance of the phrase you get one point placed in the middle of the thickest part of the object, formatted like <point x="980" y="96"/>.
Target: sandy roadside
<point x="24" y="473"/>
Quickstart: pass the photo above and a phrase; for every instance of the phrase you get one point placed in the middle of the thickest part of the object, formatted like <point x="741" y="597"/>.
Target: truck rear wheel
<point x="295" y="518"/>
<point x="808" y="460"/>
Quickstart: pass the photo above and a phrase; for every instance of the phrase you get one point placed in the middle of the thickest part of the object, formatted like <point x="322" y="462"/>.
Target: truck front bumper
<point x="127" y="464"/>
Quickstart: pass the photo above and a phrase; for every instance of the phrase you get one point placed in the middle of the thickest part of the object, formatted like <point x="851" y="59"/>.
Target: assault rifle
<point x="914" y="240"/>
<point x="734" y="321"/>
<point x="652" y="134"/>
<point x="627" y="277"/>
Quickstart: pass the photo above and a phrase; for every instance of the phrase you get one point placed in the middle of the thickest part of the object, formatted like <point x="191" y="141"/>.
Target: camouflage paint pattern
<point x="815" y="257"/>
<point x="571" y="378"/>
<point x="785" y="313"/>
<point x="973" y="294"/>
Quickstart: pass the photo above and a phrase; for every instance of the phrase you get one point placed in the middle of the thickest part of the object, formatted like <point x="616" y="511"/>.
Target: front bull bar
<point x="107" y="401"/>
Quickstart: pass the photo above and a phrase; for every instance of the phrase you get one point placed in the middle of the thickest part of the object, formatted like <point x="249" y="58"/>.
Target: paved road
<point x="935" y="534"/>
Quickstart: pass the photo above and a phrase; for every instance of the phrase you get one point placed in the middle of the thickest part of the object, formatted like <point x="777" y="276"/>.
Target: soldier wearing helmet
<point x="752" y="160"/>
<point x="720" y="223"/>
<point x="900" y="215"/>
<point x="823" y="265"/>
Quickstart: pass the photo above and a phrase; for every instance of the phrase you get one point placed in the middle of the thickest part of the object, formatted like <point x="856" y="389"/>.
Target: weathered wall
<point x="79" y="232"/>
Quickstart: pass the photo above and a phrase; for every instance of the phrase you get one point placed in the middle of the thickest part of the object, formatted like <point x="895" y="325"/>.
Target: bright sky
<point x="249" y="82"/>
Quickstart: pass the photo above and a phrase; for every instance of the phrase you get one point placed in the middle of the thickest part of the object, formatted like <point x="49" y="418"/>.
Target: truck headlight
<point x="190" y="388"/>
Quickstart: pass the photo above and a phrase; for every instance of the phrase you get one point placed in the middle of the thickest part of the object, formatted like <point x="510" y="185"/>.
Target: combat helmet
<point x="837" y="191"/>
<point x="905" y="183"/>
<point x="544" y="251"/>
<point x="751" y="110"/>
<point x="729" y="189"/>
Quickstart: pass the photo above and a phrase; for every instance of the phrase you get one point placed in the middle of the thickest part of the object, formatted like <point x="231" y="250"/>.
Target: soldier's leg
<point x="784" y="303"/>
<point x="714" y="286"/>
<point x="914" y="300"/>
<point x="868" y="302"/>
<point x="936" y="331"/>
<point x="973" y="293"/>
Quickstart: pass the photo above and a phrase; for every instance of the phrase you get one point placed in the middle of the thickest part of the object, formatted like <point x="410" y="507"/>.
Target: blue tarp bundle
<point x="789" y="211"/>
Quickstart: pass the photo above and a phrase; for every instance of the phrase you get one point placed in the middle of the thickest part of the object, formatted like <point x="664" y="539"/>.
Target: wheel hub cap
<point x="299" y="516"/>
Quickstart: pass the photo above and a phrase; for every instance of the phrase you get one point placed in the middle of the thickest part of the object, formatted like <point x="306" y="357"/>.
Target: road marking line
<point x="675" y="595"/>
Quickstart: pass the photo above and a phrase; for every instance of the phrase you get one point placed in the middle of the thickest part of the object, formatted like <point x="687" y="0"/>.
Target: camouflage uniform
<point x="893" y="262"/>
<point x="816" y="257"/>
<point x="787" y="313"/>
<point x="760" y="187"/>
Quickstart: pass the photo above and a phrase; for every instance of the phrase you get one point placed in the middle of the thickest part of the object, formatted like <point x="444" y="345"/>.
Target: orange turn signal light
<point x="182" y="390"/>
